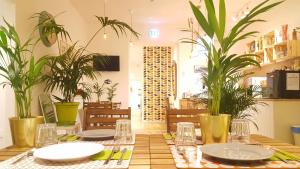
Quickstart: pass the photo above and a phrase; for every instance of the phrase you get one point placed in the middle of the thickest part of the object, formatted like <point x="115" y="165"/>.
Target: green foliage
<point x="85" y="91"/>
<point x="19" y="68"/>
<point x="222" y="66"/>
<point x="50" y="27"/>
<point x="117" y="26"/>
<point x="111" y="91"/>
<point x="99" y="89"/>
<point x="67" y="70"/>
<point x="240" y="102"/>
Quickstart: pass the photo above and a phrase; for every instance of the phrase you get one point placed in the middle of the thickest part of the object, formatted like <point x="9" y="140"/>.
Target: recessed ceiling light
<point x="153" y="33"/>
<point x="234" y="18"/>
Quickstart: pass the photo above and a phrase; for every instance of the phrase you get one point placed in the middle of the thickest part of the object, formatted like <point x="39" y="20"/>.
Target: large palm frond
<point x="221" y="65"/>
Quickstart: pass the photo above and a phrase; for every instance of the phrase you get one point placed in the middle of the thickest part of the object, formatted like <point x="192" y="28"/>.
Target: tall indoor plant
<point x="222" y="65"/>
<point x="21" y="72"/>
<point x="69" y="67"/>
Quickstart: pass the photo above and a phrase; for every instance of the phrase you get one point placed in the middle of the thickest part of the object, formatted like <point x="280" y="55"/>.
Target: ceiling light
<point x="234" y="18"/>
<point x="105" y="36"/>
<point x="246" y="12"/>
<point x="153" y="33"/>
<point x="130" y="43"/>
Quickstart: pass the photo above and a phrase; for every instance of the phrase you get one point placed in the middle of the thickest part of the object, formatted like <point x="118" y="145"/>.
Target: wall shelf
<point x="279" y="60"/>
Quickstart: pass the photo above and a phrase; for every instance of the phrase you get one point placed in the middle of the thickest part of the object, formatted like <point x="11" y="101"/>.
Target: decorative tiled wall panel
<point x="157" y="81"/>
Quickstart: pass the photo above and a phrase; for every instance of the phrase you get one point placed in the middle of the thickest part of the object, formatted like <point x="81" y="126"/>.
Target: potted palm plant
<point x="222" y="65"/>
<point x="21" y="72"/>
<point x="111" y="92"/>
<point x="99" y="89"/>
<point x="69" y="67"/>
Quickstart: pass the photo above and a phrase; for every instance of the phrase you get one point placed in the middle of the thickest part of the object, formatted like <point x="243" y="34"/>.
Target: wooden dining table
<point x="152" y="152"/>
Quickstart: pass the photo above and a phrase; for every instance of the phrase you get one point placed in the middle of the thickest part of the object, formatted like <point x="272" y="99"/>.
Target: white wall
<point x="7" y="10"/>
<point x="285" y="13"/>
<point x="70" y="18"/>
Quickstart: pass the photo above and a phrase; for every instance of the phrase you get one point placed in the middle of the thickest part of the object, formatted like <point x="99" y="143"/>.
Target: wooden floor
<point x="146" y="127"/>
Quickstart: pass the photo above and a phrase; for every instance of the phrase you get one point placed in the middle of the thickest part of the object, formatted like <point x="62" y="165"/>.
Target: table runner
<point x="32" y="163"/>
<point x="107" y="142"/>
<point x="201" y="161"/>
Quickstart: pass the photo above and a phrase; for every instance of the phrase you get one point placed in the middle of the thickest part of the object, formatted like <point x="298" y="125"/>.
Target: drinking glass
<point x="185" y="134"/>
<point x="240" y="131"/>
<point x="123" y="131"/>
<point x="46" y="134"/>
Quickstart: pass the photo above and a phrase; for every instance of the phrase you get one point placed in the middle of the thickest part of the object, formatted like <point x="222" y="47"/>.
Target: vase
<point x="214" y="128"/>
<point x="23" y="130"/>
<point x="66" y="112"/>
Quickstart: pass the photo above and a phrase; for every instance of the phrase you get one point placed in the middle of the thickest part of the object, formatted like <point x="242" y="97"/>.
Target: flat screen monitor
<point x="106" y="63"/>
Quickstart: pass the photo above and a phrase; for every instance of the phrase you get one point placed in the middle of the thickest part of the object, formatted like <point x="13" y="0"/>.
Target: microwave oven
<point x="283" y="84"/>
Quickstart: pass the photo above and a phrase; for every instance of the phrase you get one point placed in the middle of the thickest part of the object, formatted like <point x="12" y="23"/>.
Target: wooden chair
<point x="100" y="118"/>
<point x="97" y="105"/>
<point x="116" y="105"/>
<point x="183" y="115"/>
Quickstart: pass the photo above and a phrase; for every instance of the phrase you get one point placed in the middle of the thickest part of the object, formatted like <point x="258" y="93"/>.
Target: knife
<point x="122" y="156"/>
<point x="114" y="150"/>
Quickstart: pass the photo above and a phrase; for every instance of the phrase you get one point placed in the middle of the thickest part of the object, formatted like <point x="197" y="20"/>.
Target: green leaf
<point x="222" y="17"/>
<point x="202" y="21"/>
<point x="212" y="19"/>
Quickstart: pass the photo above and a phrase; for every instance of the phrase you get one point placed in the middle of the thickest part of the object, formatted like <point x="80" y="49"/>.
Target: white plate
<point x="235" y="151"/>
<point x="68" y="151"/>
<point x="100" y="133"/>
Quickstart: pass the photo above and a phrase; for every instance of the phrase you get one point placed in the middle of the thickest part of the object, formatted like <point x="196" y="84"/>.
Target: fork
<point x="29" y="154"/>
<point x="181" y="152"/>
<point x="114" y="150"/>
<point x="122" y="156"/>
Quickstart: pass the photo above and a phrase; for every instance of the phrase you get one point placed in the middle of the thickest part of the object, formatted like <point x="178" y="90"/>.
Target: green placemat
<point x="168" y="136"/>
<point x="70" y="137"/>
<point x="280" y="154"/>
<point x="103" y="155"/>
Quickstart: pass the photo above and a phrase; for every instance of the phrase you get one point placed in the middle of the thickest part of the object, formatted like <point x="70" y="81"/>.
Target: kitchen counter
<point x="275" y="119"/>
<point x="272" y="99"/>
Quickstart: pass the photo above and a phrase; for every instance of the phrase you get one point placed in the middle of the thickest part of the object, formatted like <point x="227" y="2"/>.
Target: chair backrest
<point x="99" y="118"/>
<point x="97" y="105"/>
<point x="183" y="115"/>
<point x="116" y="105"/>
<point x="47" y="108"/>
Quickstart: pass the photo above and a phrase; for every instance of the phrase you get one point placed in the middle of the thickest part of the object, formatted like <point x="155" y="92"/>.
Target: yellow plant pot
<point x="23" y="130"/>
<point x="214" y="129"/>
<point x="66" y="112"/>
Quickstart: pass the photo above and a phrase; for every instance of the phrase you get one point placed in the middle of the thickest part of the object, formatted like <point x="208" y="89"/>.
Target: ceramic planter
<point x="66" y="112"/>
<point x="214" y="129"/>
<point x="23" y="130"/>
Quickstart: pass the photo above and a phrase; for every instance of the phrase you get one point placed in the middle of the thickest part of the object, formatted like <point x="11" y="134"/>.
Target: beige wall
<point x="70" y="19"/>
<point x="7" y="10"/>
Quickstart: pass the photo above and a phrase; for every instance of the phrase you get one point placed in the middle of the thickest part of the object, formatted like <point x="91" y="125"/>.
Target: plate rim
<point x="83" y="136"/>
<point x="237" y="159"/>
<point x="35" y="153"/>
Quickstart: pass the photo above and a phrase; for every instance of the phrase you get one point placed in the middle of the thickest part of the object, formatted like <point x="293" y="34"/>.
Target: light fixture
<point x="242" y="12"/>
<point x="234" y="18"/>
<point x="246" y="12"/>
<point x="153" y="33"/>
<point x="104" y="9"/>
<point x="130" y="41"/>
